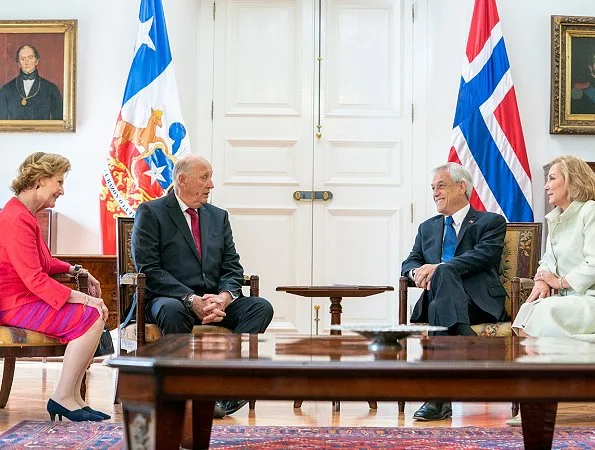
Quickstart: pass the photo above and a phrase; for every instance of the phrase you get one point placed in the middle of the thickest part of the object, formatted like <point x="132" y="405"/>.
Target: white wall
<point x="107" y="32"/>
<point x="526" y="30"/>
<point x="106" y="36"/>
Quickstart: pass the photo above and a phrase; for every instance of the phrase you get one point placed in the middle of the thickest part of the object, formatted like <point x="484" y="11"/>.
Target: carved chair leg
<point x="297" y="403"/>
<point x="372" y="404"/>
<point x="252" y="404"/>
<point x="401" y="407"/>
<point x="84" y="387"/>
<point x="7" y="378"/>
<point x="116" y="392"/>
<point x="84" y="382"/>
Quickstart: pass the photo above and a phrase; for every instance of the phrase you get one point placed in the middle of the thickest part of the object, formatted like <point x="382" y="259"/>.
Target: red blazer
<point x="25" y="261"/>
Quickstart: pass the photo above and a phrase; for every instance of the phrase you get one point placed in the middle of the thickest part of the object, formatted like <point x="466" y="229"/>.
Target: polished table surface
<point x="339" y="290"/>
<point x="537" y="373"/>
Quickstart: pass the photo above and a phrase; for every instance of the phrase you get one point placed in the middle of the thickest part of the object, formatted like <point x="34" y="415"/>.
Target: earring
<point x="37" y="187"/>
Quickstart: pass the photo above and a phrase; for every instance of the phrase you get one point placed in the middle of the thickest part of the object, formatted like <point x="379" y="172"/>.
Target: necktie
<point x="195" y="229"/>
<point x="450" y="241"/>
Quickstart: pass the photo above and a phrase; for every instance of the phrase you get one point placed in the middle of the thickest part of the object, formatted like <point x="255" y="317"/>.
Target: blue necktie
<point x="450" y="241"/>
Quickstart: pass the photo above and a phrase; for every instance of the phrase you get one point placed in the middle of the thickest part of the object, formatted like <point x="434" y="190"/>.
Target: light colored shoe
<point x="514" y="421"/>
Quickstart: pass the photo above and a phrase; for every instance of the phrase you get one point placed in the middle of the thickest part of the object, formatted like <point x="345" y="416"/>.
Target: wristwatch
<point x="187" y="301"/>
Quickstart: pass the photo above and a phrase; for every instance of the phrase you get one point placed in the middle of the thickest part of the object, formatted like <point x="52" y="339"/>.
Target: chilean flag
<point x="150" y="134"/>
<point x="487" y="137"/>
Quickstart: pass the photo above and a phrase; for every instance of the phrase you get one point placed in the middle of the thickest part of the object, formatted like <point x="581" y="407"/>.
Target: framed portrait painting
<point x="37" y="75"/>
<point x="572" y="107"/>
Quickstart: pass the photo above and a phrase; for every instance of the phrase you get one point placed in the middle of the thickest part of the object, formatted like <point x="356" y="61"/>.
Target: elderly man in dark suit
<point x="185" y="248"/>
<point x="455" y="259"/>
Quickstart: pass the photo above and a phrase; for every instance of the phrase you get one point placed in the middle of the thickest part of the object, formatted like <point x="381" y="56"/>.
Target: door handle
<point x="313" y="195"/>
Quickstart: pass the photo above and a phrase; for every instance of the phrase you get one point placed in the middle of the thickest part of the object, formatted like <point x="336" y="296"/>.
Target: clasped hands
<point x="210" y="307"/>
<point x="544" y="281"/>
<point x="422" y="276"/>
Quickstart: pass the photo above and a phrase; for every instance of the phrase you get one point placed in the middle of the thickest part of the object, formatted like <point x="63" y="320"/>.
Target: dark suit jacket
<point x="44" y="104"/>
<point x="477" y="257"/>
<point x="164" y="250"/>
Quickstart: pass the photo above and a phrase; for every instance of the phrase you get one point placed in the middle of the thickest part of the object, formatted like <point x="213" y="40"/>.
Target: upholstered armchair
<point x="520" y="257"/>
<point x="20" y="343"/>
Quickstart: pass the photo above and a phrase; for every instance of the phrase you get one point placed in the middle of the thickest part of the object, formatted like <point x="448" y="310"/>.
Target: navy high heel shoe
<point x="103" y="415"/>
<point x="77" y="415"/>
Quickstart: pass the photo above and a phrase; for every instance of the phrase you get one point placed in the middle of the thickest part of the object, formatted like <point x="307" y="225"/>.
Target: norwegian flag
<point x="487" y="137"/>
<point x="150" y="134"/>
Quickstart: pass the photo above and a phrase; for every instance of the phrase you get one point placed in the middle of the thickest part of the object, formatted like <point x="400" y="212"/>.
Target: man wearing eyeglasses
<point x="29" y="96"/>
<point x="455" y="260"/>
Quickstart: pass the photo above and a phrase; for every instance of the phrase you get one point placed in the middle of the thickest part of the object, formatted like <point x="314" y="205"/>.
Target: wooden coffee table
<point x="155" y="385"/>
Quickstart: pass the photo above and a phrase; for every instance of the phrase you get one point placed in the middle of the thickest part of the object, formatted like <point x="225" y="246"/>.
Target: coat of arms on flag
<point x="487" y="137"/>
<point x="149" y="134"/>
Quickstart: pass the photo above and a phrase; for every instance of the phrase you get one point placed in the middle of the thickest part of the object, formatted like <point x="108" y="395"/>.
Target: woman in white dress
<point x="568" y="263"/>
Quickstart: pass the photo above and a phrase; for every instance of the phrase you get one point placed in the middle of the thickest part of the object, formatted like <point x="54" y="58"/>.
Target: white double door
<point x="275" y="70"/>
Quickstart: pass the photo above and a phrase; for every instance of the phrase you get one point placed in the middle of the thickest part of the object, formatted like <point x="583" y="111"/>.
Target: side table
<point x="336" y="294"/>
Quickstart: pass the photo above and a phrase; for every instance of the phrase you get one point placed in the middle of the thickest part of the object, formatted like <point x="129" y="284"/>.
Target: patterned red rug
<point x="109" y="436"/>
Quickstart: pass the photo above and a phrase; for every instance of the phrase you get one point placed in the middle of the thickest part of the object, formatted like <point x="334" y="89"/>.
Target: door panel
<point x="263" y="73"/>
<point x="264" y="240"/>
<point x="351" y="240"/>
<point x="362" y="49"/>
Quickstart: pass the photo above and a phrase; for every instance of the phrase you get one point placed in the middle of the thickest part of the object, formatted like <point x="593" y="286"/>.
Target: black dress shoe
<point x="232" y="406"/>
<point x="433" y="411"/>
<point x="219" y="410"/>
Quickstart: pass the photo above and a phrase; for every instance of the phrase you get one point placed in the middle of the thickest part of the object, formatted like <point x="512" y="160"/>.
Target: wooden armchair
<point x="139" y="333"/>
<point x="520" y="257"/>
<point x="20" y="343"/>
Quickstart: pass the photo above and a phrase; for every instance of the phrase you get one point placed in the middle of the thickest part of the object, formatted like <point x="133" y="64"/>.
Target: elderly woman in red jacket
<point x="31" y="299"/>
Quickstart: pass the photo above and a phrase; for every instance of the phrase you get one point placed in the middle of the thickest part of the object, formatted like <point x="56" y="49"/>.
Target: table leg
<point x="538" y="421"/>
<point x="153" y="425"/>
<point x="198" y="424"/>
<point x="336" y="311"/>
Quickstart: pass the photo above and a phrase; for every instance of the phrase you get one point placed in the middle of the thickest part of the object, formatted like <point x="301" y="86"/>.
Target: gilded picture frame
<point x="38" y="75"/>
<point x="572" y="107"/>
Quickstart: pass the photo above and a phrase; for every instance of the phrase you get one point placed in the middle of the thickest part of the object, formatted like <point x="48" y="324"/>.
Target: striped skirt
<point x="64" y="324"/>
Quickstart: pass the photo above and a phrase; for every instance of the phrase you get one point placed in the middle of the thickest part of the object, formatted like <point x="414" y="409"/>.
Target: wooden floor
<point x="34" y="382"/>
